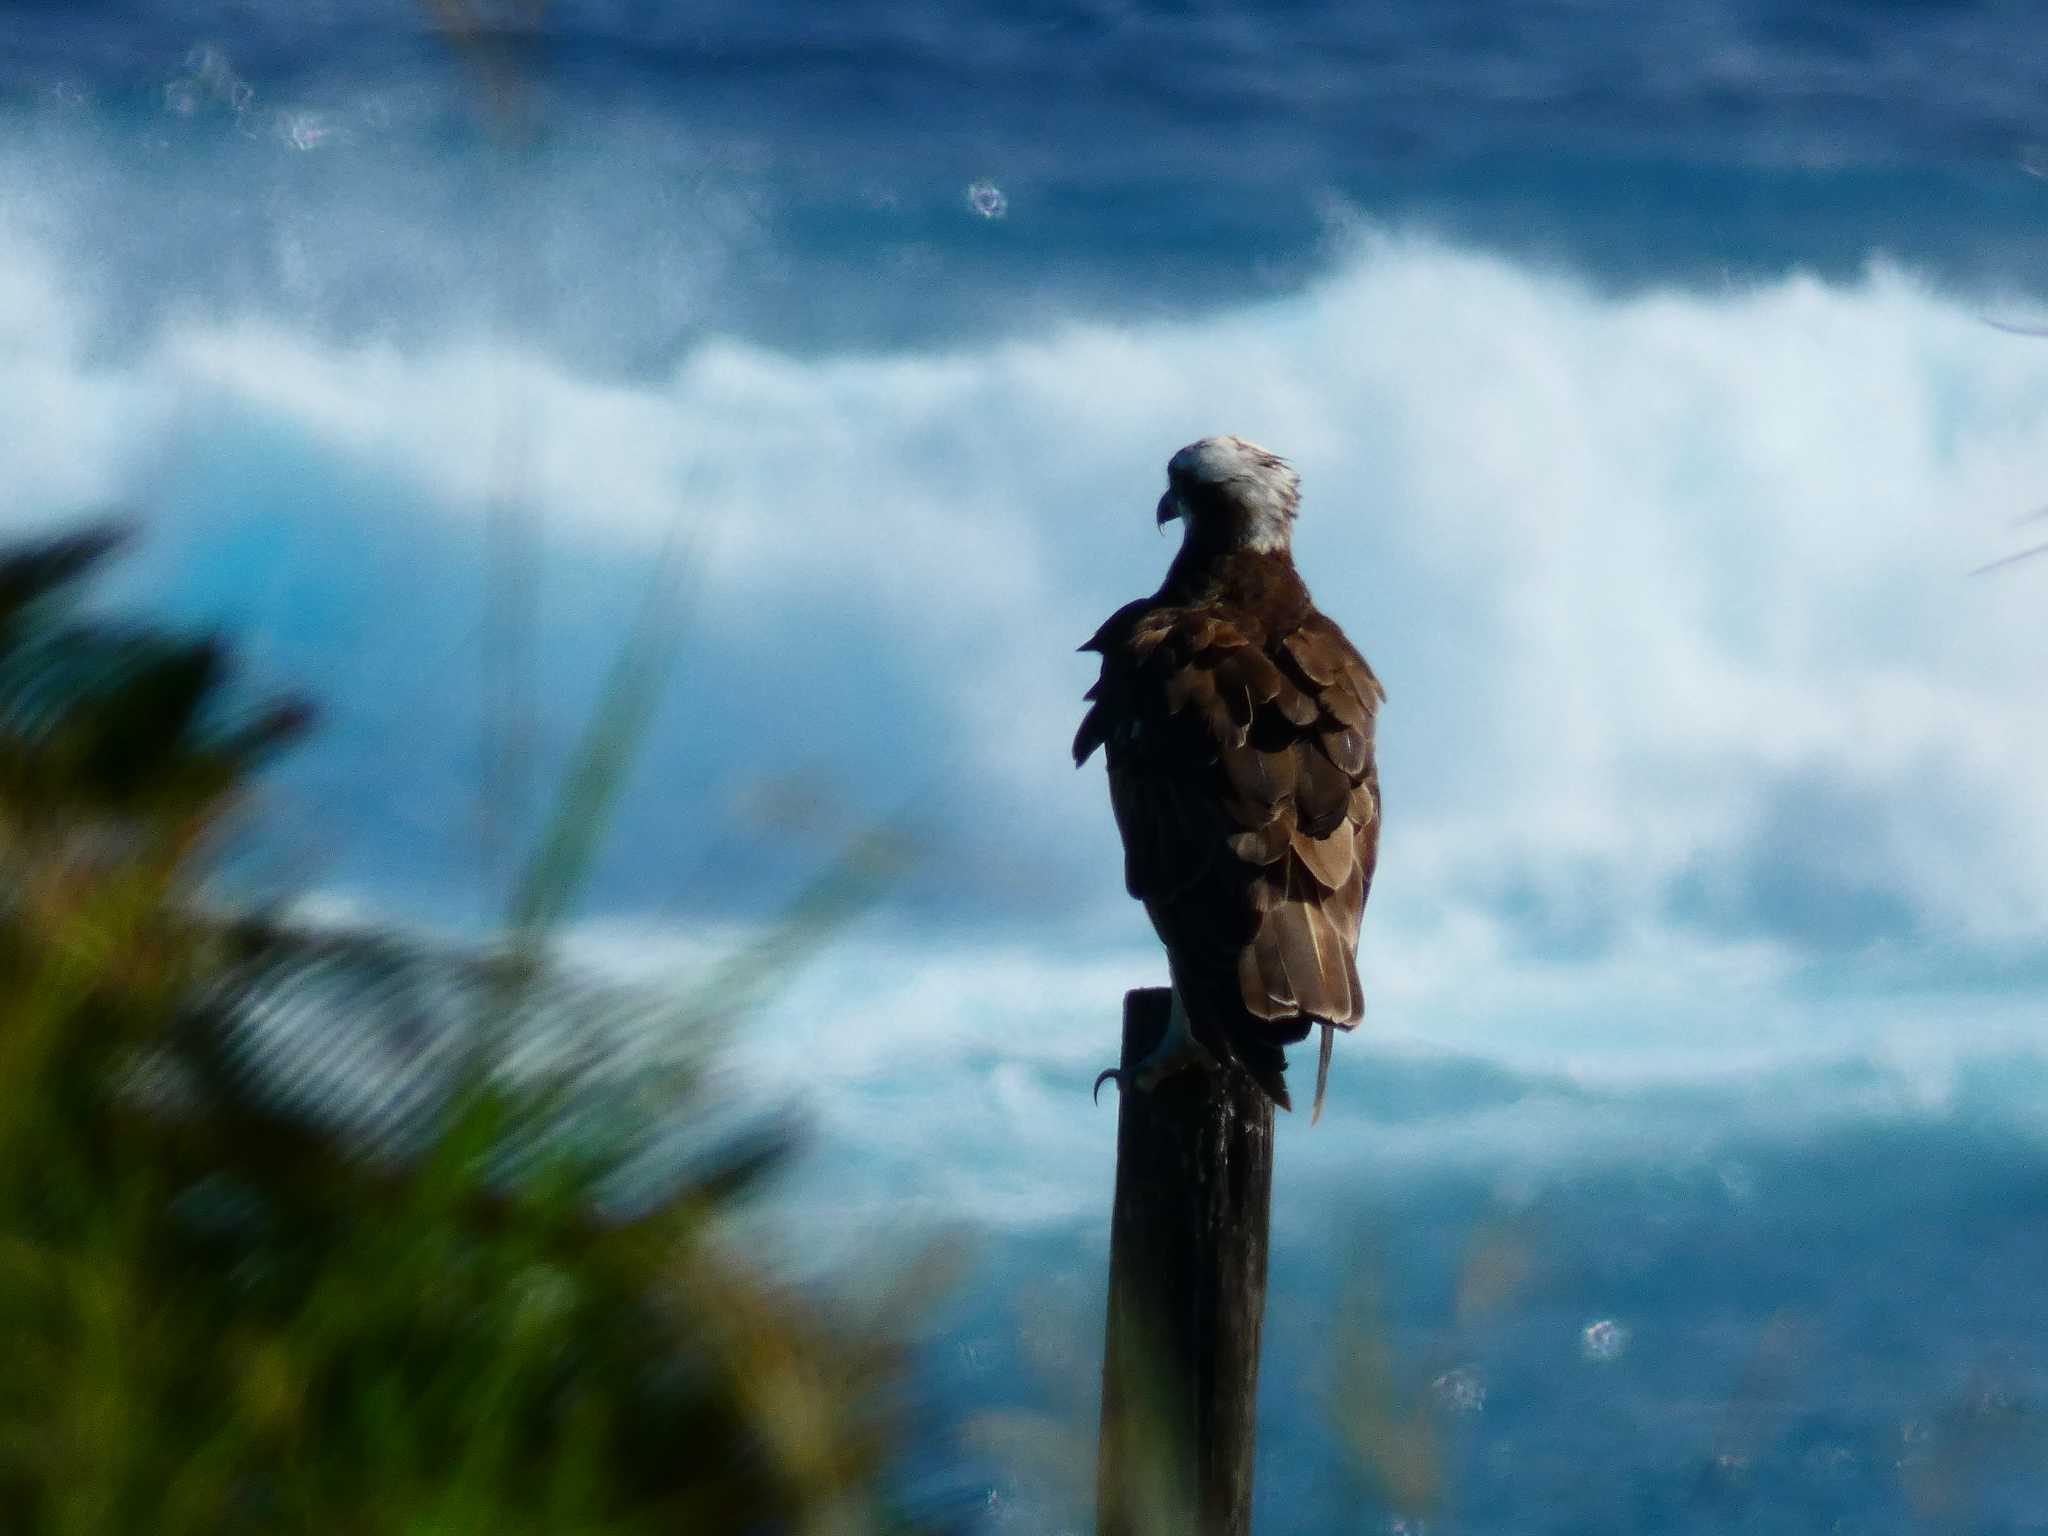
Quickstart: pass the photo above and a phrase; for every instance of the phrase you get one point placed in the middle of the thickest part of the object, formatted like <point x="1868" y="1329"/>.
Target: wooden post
<point x="1187" y="1294"/>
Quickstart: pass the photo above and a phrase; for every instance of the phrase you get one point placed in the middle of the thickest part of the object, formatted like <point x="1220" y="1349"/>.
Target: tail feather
<point x="1235" y="1036"/>
<point x="1323" y="1071"/>
<point x="1267" y="1065"/>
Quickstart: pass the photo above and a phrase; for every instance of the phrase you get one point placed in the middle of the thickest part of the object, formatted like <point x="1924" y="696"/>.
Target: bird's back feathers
<point x="1238" y="723"/>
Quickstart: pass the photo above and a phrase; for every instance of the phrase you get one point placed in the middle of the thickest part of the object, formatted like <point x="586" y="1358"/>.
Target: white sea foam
<point x="1701" y="750"/>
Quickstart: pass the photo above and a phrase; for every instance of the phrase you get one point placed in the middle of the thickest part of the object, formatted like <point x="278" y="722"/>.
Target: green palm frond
<point x="375" y="1043"/>
<point x="34" y="572"/>
<point x="98" y="716"/>
<point x="359" y="1230"/>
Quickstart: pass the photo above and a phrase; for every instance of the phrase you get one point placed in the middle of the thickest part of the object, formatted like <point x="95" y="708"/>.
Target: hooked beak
<point x="1169" y="508"/>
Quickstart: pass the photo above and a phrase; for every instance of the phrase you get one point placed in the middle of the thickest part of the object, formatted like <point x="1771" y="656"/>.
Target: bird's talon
<point x="1109" y="1075"/>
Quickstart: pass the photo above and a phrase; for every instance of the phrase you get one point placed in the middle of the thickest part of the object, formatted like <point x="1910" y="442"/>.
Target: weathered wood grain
<point x="1187" y="1296"/>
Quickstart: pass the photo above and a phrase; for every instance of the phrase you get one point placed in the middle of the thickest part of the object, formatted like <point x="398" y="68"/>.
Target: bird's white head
<point x="1232" y="494"/>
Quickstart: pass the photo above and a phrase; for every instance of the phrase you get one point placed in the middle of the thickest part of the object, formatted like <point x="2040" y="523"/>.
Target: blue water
<point x="1638" y="371"/>
<point x="1835" y="1328"/>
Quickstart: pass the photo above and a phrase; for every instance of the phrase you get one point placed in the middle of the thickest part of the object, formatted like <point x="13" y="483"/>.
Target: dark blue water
<point x="1150" y="159"/>
<point x="1808" y="1330"/>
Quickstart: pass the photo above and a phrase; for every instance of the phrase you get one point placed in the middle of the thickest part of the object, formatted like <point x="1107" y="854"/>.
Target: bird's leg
<point x="1177" y="1050"/>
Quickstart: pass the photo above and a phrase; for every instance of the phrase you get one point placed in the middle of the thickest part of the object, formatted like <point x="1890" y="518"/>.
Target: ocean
<point x="1657" y="380"/>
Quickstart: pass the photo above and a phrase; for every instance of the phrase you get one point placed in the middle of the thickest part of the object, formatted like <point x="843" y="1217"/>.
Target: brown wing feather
<point x="1242" y="773"/>
<point x="1331" y="858"/>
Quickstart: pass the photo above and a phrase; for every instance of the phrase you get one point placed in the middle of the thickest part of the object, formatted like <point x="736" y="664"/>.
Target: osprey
<point x="1238" y="727"/>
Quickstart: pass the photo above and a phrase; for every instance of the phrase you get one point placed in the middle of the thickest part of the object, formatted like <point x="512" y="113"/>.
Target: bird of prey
<point x="1238" y="726"/>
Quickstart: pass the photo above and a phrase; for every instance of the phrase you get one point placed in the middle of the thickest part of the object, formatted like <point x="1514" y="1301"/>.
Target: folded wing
<point x="1242" y="774"/>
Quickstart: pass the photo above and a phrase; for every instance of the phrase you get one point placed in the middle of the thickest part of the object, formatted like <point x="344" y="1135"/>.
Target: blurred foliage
<point x="2020" y="556"/>
<point x="235" y="1303"/>
<point x="1392" y="1414"/>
